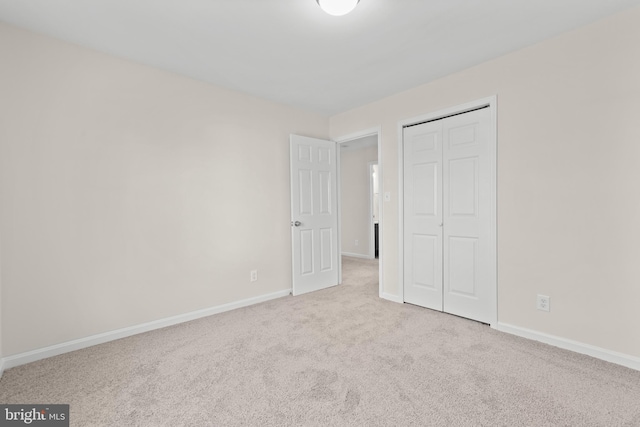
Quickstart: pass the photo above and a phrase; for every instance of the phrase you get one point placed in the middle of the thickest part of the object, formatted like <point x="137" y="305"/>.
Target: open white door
<point x="314" y="214"/>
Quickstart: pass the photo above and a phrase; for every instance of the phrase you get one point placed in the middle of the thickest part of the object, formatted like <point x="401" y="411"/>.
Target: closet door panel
<point x="423" y="215"/>
<point x="467" y="214"/>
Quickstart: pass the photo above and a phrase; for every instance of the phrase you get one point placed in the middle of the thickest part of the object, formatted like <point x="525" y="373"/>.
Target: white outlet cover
<point x="543" y="303"/>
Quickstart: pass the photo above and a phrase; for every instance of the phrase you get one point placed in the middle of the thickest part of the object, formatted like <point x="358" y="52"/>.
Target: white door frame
<point x="492" y="102"/>
<point x="341" y="140"/>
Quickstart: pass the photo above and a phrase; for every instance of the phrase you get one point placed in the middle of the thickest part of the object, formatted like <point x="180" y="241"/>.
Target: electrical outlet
<point x="543" y="303"/>
<point x="356" y="242"/>
<point x="254" y="275"/>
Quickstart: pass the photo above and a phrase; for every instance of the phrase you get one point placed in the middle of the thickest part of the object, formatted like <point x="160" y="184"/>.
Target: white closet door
<point x="467" y="216"/>
<point x="423" y="215"/>
<point x="447" y="216"/>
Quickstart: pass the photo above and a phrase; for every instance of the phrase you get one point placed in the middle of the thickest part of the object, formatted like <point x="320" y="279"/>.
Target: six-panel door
<point x="314" y="217"/>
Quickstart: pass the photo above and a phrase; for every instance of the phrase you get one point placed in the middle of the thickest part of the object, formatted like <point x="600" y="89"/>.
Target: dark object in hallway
<point x="375" y="227"/>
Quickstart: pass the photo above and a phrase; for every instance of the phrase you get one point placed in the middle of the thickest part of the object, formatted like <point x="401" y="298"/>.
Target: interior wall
<point x="568" y="173"/>
<point x="354" y="195"/>
<point x="130" y="194"/>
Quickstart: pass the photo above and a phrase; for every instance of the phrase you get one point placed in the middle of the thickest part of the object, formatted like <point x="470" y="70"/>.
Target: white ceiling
<point x="291" y="52"/>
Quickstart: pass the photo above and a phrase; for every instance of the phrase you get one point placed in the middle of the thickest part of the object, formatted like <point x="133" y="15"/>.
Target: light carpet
<point x="340" y="356"/>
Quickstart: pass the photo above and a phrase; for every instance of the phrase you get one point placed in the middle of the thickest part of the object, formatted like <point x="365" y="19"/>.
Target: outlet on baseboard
<point x="543" y="303"/>
<point x="254" y="275"/>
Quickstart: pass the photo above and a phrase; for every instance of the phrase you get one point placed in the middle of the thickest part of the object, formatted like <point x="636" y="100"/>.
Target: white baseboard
<point x="578" y="347"/>
<point x="350" y="254"/>
<point x="1" y="367"/>
<point x="66" y="347"/>
<point x="390" y="297"/>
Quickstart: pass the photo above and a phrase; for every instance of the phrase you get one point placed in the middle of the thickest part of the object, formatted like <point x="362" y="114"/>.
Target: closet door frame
<point x="491" y="102"/>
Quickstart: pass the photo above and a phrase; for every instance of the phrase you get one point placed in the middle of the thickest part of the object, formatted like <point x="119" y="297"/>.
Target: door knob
<point x="297" y="223"/>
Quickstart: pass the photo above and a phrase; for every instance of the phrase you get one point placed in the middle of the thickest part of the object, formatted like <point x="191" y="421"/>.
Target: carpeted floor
<point x="336" y="357"/>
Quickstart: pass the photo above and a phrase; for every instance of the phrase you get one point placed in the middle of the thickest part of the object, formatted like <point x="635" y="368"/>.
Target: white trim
<point x="400" y="140"/>
<point x="391" y="297"/>
<point x="1" y="367"/>
<point x="339" y="203"/>
<point x="66" y="347"/>
<point x="380" y="217"/>
<point x="353" y="255"/>
<point x="358" y="135"/>
<point x="492" y="102"/>
<point x="350" y="137"/>
<point x="578" y="347"/>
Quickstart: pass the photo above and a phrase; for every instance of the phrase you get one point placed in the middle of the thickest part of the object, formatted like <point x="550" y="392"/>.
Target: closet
<point x="448" y="217"/>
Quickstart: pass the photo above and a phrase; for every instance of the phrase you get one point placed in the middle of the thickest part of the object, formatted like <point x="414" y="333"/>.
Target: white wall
<point x="354" y="195"/>
<point x="129" y="194"/>
<point x="568" y="174"/>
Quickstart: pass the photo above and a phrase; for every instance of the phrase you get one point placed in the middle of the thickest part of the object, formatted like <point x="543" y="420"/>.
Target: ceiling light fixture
<point x="337" y="7"/>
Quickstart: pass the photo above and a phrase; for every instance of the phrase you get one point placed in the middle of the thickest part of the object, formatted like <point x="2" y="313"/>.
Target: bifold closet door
<point x="447" y="203"/>
<point x="423" y="215"/>
<point x="467" y="216"/>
